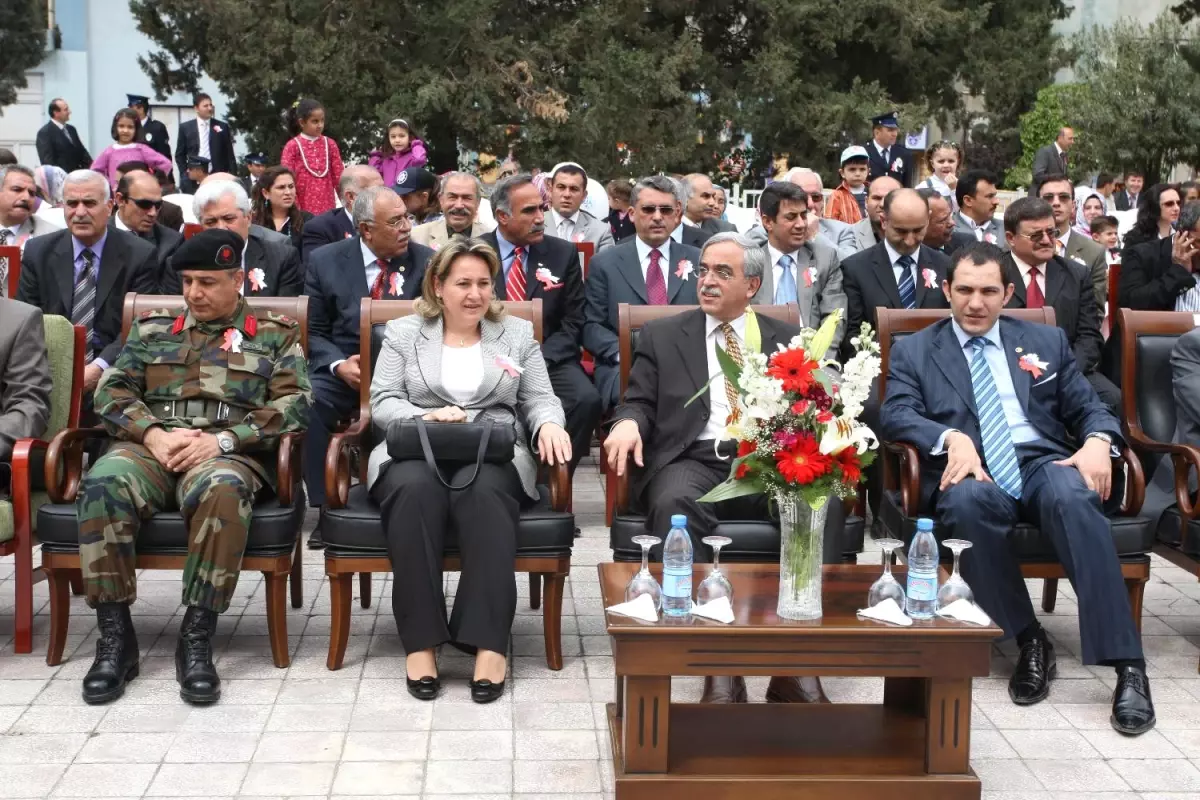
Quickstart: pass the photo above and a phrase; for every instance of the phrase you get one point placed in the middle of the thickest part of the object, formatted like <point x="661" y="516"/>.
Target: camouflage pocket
<point x="168" y="372"/>
<point x="249" y="374"/>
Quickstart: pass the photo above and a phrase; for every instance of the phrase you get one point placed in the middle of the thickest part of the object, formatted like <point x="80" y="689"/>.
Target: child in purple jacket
<point x="401" y="151"/>
<point x="127" y="133"/>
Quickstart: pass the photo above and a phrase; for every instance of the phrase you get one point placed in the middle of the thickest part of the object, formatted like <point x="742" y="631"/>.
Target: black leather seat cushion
<point x="1169" y="532"/>
<point x="273" y="530"/>
<point x="356" y="530"/>
<point x="754" y="541"/>
<point x="1133" y="536"/>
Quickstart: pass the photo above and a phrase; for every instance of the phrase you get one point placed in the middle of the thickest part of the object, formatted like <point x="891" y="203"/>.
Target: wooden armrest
<point x="22" y="469"/>
<point x="291" y="451"/>
<point x="909" y="477"/>
<point x="337" y="461"/>
<point x="1135" y="484"/>
<point x="1185" y="458"/>
<point x="560" y="487"/>
<point x="64" y="462"/>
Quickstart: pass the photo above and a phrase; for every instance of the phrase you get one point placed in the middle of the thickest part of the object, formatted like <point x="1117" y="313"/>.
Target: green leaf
<point x="730" y="368"/>
<point x="733" y="488"/>
<point x="703" y="390"/>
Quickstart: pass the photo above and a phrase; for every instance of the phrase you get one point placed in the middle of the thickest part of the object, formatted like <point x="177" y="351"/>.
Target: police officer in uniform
<point x="154" y="133"/>
<point x="197" y="403"/>
<point x="887" y="155"/>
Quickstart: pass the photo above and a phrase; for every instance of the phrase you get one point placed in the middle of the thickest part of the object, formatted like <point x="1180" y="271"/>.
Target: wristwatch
<point x="227" y="442"/>
<point x="1104" y="437"/>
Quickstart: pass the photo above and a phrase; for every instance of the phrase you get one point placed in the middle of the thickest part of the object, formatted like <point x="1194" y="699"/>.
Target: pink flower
<point x="824" y="417"/>
<point x="801" y="406"/>
<point x="786" y="439"/>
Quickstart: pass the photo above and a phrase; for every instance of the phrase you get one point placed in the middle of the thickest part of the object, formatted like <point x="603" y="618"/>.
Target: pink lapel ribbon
<point x="504" y="363"/>
<point x="397" y="284"/>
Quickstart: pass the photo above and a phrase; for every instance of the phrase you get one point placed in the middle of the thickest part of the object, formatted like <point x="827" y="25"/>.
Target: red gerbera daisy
<point x="803" y="462"/>
<point x="794" y="368"/>
<point x="848" y="462"/>
<point x="746" y="447"/>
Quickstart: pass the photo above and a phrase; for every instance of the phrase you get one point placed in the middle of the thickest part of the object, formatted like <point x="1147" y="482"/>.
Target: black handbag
<point x="482" y="442"/>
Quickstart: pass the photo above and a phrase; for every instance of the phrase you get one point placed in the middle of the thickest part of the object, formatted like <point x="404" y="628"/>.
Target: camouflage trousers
<point x="126" y="486"/>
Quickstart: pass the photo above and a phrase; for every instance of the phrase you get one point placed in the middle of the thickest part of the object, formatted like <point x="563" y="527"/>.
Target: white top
<point x="1026" y="271"/>
<point x="894" y="257"/>
<point x="571" y="223"/>
<point x="644" y="250"/>
<point x="462" y="371"/>
<point x="202" y="126"/>
<point x="718" y="404"/>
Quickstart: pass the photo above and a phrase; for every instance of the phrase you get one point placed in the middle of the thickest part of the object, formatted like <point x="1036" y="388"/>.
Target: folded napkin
<point x="887" y="611"/>
<point x="966" y="611"/>
<point x="641" y="607"/>
<point x="719" y="610"/>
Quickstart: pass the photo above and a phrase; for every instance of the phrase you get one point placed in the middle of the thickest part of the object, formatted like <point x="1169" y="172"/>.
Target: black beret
<point x="212" y="249"/>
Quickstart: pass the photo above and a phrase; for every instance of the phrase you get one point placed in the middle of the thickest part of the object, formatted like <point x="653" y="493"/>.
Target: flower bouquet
<point x="799" y="441"/>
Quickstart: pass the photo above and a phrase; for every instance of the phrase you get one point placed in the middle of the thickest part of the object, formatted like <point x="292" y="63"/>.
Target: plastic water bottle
<point x="677" y="569"/>
<point x="921" y="600"/>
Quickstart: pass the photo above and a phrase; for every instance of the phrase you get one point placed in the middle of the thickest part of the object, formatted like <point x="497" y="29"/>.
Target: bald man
<point x="336" y="225"/>
<point x="866" y="231"/>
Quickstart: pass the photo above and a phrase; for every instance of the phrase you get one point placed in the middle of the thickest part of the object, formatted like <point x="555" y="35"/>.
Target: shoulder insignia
<point x="279" y="319"/>
<point x="251" y="324"/>
<point x="179" y="323"/>
<point x="156" y="312"/>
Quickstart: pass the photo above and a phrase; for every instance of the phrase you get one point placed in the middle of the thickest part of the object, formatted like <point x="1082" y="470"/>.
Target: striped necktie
<point x="908" y="288"/>
<point x="514" y="285"/>
<point x="4" y="235"/>
<point x="785" y="292"/>
<point x="656" y="284"/>
<point x="735" y="353"/>
<point x="998" y="450"/>
<point x="83" y="310"/>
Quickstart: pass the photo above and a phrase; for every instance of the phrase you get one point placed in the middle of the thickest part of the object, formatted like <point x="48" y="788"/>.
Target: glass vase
<point x="801" y="546"/>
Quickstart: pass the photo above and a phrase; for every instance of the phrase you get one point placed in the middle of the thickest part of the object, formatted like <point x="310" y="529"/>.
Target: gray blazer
<point x="588" y="229"/>
<point x="993" y="232"/>
<point x="821" y="299"/>
<point x="408" y="383"/>
<point x="1047" y="161"/>
<point x="1185" y="372"/>
<point x="864" y="234"/>
<point x="1091" y="256"/>
<point x="24" y="375"/>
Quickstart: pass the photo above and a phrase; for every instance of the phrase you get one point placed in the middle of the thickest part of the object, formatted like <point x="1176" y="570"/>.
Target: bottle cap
<point x="925" y="524"/>
<point x="678" y="520"/>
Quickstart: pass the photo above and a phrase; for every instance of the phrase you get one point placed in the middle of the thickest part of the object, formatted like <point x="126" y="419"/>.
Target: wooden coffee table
<point x="916" y="745"/>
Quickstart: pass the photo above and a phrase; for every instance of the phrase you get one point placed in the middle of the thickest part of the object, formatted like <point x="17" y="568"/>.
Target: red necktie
<point x="381" y="280"/>
<point x="1033" y="294"/>
<point x="656" y="286"/>
<point x="514" y="285"/>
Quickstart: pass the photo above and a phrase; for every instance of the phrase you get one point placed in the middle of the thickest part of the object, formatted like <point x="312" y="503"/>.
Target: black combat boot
<point x="116" y="655"/>
<point x="198" y="679"/>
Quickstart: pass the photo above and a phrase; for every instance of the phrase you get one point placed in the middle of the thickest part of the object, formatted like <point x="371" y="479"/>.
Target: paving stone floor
<point x="305" y="731"/>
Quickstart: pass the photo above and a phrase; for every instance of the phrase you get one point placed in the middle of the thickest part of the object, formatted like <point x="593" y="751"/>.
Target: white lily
<point x="843" y="432"/>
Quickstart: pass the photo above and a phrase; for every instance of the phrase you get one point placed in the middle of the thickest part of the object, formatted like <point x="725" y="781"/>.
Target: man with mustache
<point x="83" y="273"/>
<point x="138" y="202"/>
<point x="546" y="268"/>
<point x="459" y="200"/>
<point x="18" y="195"/>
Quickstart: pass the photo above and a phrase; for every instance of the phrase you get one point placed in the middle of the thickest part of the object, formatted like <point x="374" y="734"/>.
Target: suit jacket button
<point x="704" y="415"/>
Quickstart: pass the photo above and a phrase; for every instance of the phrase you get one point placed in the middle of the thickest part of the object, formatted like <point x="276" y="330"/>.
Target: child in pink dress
<point x="401" y="151"/>
<point x="314" y="158"/>
<point x="126" y="130"/>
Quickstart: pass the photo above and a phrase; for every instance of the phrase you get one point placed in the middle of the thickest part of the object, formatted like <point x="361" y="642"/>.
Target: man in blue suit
<point x="378" y="262"/>
<point x="1012" y="431"/>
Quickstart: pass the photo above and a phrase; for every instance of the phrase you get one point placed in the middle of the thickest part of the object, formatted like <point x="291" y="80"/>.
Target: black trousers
<point x="1056" y="500"/>
<point x="1110" y="395"/>
<point x="581" y="404"/>
<point x="677" y="488"/>
<point x="418" y="511"/>
<point x="332" y="402"/>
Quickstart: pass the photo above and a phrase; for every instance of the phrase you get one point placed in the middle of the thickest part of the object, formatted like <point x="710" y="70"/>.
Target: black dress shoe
<point x="1036" y="667"/>
<point x="484" y="691"/>
<point x="426" y="688"/>
<point x="796" y="690"/>
<point x="1133" y="710"/>
<point x="315" y="542"/>
<point x="199" y="683"/>
<point x="116" y="655"/>
<point x="724" y="689"/>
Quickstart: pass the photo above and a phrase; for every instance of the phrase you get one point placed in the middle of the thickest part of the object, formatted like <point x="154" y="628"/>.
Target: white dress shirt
<point x="677" y="234"/>
<point x="718" y="404"/>
<point x="894" y="257"/>
<point x="372" y="271"/>
<point x="643" y="251"/>
<point x="462" y="371"/>
<point x="777" y="272"/>
<point x="572" y="223"/>
<point x="1025" y="270"/>
<point x="202" y="127"/>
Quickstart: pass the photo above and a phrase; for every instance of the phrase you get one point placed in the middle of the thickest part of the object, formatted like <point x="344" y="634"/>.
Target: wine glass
<point x="643" y="582"/>
<point x="887" y="586"/>
<point x="716" y="585"/>
<point x="955" y="588"/>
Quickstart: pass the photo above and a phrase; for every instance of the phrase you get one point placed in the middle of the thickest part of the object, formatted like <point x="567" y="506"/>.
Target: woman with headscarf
<point x="1089" y="204"/>
<point x="49" y="181"/>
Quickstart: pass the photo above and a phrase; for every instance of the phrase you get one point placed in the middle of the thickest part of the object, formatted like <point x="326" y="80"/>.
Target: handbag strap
<point x="432" y="462"/>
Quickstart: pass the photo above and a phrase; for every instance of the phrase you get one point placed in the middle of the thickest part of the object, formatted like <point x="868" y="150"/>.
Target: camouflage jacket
<point x="246" y="374"/>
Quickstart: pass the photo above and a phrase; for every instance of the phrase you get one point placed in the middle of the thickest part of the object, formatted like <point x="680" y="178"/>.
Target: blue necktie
<point x="785" y="292"/>
<point x="998" y="449"/>
<point x="908" y="289"/>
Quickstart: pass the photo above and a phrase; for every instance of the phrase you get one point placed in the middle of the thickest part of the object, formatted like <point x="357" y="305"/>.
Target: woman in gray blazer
<point x="457" y="360"/>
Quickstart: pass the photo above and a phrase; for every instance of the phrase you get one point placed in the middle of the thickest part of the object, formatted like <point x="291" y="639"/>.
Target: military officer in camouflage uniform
<point x="197" y="403"/>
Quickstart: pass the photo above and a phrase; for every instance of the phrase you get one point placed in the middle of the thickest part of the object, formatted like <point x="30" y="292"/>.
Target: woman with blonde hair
<point x="460" y="359"/>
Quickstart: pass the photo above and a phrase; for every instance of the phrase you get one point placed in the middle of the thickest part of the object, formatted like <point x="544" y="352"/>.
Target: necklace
<point x="304" y="158"/>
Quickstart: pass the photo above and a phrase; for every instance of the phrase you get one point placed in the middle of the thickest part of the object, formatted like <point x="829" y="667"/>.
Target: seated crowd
<point x="195" y="403"/>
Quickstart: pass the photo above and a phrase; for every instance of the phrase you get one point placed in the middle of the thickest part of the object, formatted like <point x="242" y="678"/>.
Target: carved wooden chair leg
<point x="277" y="617"/>
<point x="59" y="581"/>
<point x="364" y="589"/>
<point x="297" y="576"/>
<point x="552" y="618"/>
<point x="340" y="598"/>
<point x="535" y="589"/>
<point x="1049" y="594"/>
<point x="76" y="582"/>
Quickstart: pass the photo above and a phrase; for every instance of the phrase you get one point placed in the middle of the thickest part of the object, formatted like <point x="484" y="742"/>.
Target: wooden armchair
<point x="162" y="540"/>
<point x="350" y="519"/>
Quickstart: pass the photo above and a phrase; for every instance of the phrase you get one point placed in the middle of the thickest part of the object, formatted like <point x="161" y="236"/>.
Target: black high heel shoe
<point x="484" y="691"/>
<point x="426" y="688"/>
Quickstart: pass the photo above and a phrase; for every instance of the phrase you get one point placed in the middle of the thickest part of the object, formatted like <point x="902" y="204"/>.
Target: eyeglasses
<point x="1063" y="196"/>
<point x="649" y="211"/>
<point x="144" y="204"/>
<point x="1169" y="203"/>
<point x="723" y="274"/>
<point x="395" y="224"/>
<point x="1046" y="234"/>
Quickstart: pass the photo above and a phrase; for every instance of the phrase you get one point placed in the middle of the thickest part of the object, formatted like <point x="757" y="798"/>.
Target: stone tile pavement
<point x="306" y="731"/>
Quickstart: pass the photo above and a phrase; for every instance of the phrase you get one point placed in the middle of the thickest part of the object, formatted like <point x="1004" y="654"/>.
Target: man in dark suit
<point x="940" y="235"/>
<point x="204" y="136"/>
<point x="58" y="143"/>
<point x="138" y="201"/>
<point x="83" y="273"/>
<point x="1010" y="430"/>
<point x="700" y="208"/>
<point x="337" y="225"/>
<point x="1041" y="278"/>
<point x="674" y="445"/>
<point x="256" y="165"/>
<point x="1185" y="371"/>
<point x="546" y="268"/>
<point x="1052" y="159"/>
<point x="154" y="133"/>
<point x="379" y="262"/>
<point x="887" y="156"/>
<point x="1131" y="196"/>
<point x="271" y="264"/>
<point x="1070" y="243"/>
<point x="649" y="270"/>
